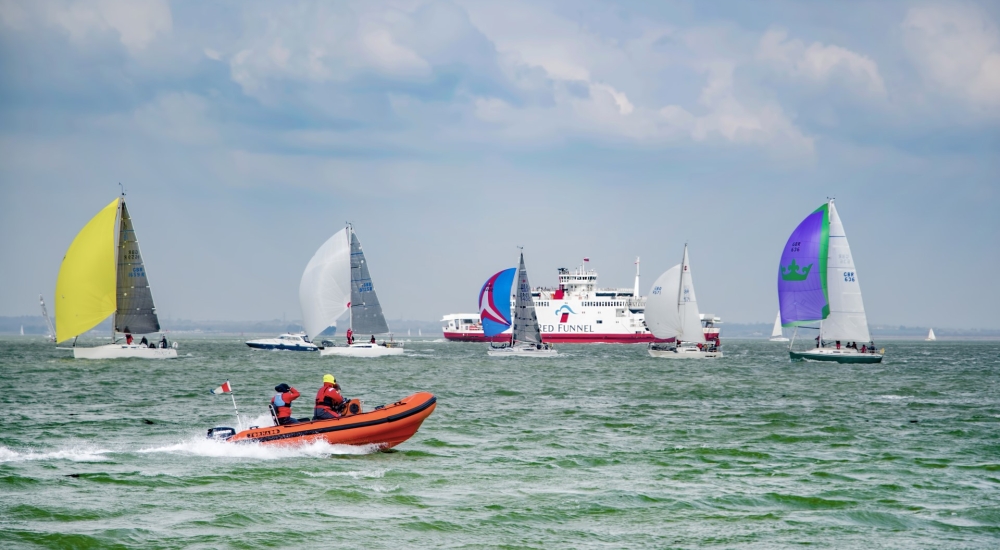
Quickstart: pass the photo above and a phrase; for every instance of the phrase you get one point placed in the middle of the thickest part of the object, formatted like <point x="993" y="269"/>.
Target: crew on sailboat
<point x="281" y="404"/>
<point x="328" y="399"/>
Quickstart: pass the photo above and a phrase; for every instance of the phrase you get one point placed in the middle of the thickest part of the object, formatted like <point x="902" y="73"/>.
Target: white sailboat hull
<point x="362" y="350"/>
<point x="778" y="339"/>
<point x="522" y="350"/>
<point x="683" y="352"/>
<point x="123" y="351"/>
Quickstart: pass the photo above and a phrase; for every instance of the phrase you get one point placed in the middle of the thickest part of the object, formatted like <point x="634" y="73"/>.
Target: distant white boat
<point x="672" y="313"/>
<point x="22" y="330"/>
<point x="776" y="335"/>
<point x="930" y="336"/>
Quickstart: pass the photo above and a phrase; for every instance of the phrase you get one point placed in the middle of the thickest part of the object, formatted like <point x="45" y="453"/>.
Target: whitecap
<point x="356" y="474"/>
<point x="77" y="454"/>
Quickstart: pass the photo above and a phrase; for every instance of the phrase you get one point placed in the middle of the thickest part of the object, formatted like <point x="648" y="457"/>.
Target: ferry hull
<point x="835" y="356"/>
<point x="385" y="427"/>
<point x="558" y="338"/>
<point x="124" y="351"/>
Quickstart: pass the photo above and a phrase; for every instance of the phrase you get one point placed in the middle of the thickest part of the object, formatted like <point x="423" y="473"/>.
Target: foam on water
<point x="77" y="454"/>
<point x="355" y="474"/>
<point x="201" y="446"/>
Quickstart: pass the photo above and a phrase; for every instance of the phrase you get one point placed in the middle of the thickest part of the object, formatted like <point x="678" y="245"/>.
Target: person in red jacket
<point x="328" y="399"/>
<point x="282" y="403"/>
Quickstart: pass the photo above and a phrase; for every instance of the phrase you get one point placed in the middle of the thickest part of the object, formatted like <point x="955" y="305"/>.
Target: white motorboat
<point x="494" y="311"/>
<point x="290" y="342"/>
<point x="672" y="313"/>
<point x="336" y="280"/>
<point x="103" y="274"/>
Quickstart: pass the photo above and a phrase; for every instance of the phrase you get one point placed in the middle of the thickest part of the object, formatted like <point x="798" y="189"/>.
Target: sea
<point x="600" y="447"/>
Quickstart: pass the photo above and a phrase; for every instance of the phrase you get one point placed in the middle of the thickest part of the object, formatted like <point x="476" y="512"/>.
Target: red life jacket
<point x="283" y="408"/>
<point x="327" y="397"/>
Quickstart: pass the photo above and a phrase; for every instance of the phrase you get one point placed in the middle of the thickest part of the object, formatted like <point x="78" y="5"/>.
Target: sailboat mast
<point x="680" y="290"/>
<point x="350" y="307"/>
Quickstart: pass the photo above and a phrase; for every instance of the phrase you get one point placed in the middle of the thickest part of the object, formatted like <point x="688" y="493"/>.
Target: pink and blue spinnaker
<point x="494" y="302"/>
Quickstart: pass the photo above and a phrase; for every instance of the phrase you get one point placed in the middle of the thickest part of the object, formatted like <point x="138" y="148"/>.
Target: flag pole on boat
<point x="227" y="388"/>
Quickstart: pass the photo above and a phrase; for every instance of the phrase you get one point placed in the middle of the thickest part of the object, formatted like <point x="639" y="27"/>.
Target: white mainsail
<point x="776" y="331"/>
<point x="847" y="320"/>
<point x="930" y="335"/>
<point x="325" y="288"/>
<point x="661" y="315"/>
<point x="687" y="306"/>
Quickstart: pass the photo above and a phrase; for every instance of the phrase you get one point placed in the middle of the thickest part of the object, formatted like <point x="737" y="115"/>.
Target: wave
<point x="355" y="474"/>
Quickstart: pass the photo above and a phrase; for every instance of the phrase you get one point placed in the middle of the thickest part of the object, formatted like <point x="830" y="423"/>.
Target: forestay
<point x="325" y="288"/>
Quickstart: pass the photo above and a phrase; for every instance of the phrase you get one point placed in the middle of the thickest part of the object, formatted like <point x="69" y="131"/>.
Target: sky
<point x="449" y="133"/>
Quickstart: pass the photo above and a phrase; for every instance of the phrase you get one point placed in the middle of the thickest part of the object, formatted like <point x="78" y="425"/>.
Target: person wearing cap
<point x="328" y="398"/>
<point x="282" y="403"/>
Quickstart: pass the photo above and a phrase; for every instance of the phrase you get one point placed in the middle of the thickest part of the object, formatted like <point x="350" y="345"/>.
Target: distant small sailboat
<point x="103" y="274"/>
<point x="494" y="308"/>
<point x="776" y="335"/>
<point x="337" y="280"/>
<point x="818" y="282"/>
<point x="420" y="332"/>
<point x="22" y="330"/>
<point x="672" y="313"/>
<point x="48" y="322"/>
<point x="930" y="336"/>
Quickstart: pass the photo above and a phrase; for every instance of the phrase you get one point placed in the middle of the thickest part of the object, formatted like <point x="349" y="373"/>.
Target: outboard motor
<point x="220" y="433"/>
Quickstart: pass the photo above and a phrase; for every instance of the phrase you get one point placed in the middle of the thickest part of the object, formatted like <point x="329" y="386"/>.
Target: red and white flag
<point x="224" y="388"/>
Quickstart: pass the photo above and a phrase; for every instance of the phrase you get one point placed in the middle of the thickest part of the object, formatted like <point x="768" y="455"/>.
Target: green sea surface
<point x="602" y="447"/>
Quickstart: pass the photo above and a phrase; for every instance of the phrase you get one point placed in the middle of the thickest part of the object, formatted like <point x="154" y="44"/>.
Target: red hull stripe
<point x="559" y="338"/>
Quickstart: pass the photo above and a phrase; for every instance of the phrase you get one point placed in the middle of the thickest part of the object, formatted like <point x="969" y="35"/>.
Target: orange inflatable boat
<point x="385" y="426"/>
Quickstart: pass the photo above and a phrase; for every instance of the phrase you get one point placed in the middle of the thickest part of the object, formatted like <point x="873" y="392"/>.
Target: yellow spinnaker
<point x="86" y="287"/>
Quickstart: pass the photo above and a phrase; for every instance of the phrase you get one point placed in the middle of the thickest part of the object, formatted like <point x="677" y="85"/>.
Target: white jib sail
<point x="847" y="321"/>
<point x="687" y="306"/>
<point x="776" y="331"/>
<point x="661" y="305"/>
<point x="325" y="289"/>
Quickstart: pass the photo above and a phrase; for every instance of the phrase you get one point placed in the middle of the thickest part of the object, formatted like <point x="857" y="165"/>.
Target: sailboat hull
<point x="123" y="351"/>
<point x="362" y="350"/>
<point x="835" y="355"/>
<point x="683" y="353"/>
<point x="779" y="339"/>
<point x="522" y="351"/>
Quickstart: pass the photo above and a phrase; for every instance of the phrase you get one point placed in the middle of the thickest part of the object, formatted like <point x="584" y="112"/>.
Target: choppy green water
<point x="601" y="448"/>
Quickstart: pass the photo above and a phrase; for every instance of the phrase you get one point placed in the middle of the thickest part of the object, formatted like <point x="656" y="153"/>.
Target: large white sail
<point x="525" y="321"/>
<point x="930" y="336"/>
<point x="325" y="288"/>
<point x="847" y="320"/>
<point x="661" y="305"/>
<point x="687" y="306"/>
<point x="776" y="331"/>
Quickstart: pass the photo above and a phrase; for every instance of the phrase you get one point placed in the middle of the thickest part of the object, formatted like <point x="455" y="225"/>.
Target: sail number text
<point x="849" y="276"/>
<point x="795" y="246"/>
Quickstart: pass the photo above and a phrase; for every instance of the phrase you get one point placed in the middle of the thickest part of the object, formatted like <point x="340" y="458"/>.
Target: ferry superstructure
<point x="574" y="312"/>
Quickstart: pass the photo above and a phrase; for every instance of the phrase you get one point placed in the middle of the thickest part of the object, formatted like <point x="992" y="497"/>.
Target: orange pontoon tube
<point x="386" y="426"/>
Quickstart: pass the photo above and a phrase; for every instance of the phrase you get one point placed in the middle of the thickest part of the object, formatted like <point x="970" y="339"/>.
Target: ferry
<point x="577" y="312"/>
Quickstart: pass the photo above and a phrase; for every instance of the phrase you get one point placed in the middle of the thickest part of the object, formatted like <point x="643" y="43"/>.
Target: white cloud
<point x="819" y="63"/>
<point x="137" y="22"/>
<point x="957" y="49"/>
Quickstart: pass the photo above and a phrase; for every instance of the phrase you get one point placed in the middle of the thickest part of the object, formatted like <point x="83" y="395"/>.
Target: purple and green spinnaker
<point x="802" y="292"/>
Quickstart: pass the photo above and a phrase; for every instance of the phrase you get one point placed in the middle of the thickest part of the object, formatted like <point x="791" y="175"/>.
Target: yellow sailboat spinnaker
<point x="86" y="287"/>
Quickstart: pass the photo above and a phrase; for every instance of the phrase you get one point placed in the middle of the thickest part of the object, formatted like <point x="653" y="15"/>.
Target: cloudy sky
<point x="450" y="132"/>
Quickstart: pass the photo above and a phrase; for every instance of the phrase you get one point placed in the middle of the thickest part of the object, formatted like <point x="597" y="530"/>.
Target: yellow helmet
<point x="329" y="378"/>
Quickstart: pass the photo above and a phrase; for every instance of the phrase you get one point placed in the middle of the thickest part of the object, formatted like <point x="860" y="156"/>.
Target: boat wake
<point x="199" y="446"/>
<point x="76" y="454"/>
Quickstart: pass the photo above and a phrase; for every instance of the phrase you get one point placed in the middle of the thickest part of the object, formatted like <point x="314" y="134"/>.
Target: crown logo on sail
<point x="794" y="272"/>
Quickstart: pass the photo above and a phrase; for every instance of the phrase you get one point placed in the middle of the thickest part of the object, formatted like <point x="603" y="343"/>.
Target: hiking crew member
<point x="282" y="403"/>
<point x="328" y="399"/>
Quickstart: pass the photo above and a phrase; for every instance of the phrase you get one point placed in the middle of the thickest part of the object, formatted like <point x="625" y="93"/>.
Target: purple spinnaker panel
<point x="801" y="286"/>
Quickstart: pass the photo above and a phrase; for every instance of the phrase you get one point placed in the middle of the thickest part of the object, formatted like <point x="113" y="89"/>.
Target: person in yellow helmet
<point x="328" y="399"/>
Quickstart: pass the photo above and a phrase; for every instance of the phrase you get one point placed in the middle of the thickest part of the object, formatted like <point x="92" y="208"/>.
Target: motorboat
<point x="291" y="342"/>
